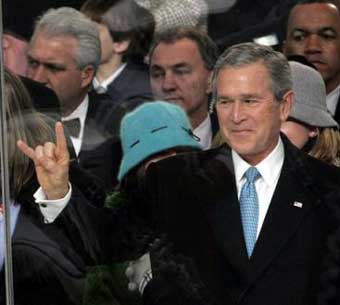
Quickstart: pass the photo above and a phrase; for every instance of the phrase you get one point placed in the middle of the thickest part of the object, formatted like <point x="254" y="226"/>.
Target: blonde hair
<point x="327" y="146"/>
<point x="23" y="122"/>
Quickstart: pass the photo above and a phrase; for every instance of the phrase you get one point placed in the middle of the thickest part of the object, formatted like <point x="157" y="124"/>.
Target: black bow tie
<point x="73" y="127"/>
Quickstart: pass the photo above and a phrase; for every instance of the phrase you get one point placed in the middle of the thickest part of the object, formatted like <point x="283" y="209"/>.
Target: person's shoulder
<point x="313" y="171"/>
<point x="331" y="172"/>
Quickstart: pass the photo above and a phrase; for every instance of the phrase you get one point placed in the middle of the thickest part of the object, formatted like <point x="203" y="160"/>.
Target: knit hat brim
<point x="308" y="115"/>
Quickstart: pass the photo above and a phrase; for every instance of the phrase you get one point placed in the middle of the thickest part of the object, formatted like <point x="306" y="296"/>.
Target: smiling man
<point x="313" y="30"/>
<point x="250" y="214"/>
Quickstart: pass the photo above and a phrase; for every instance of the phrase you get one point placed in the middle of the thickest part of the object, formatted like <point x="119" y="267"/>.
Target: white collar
<point x="332" y="99"/>
<point x="204" y="132"/>
<point x="80" y="112"/>
<point x="101" y="87"/>
<point x="269" y="168"/>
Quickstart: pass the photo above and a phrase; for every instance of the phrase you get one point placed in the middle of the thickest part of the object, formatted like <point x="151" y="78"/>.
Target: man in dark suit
<point x="313" y="30"/>
<point x="253" y="215"/>
<point x="126" y="31"/>
<point x="275" y="255"/>
<point x="63" y="54"/>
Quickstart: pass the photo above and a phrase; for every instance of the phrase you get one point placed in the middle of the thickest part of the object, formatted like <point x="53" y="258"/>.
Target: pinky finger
<point x="26" y="150"/>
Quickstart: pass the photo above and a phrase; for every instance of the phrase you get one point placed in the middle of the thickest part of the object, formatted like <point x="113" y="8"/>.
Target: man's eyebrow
<point x="177" y="65"/>
<point x="47" y="64"/>
<point x="155" y="66"/>
<point x="181" y="65"/>
<point x="328" y="28"/>
<point x="322" y="29"/>
<point x="54" y="65"/>
<point x="30" y="57"/>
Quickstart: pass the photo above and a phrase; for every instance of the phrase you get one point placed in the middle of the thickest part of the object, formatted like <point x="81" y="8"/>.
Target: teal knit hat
<point x="152" y="128"/>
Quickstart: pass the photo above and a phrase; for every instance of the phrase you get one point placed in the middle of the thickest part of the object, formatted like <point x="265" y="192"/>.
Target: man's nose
<point x="237" y="112"/>
<point x="313" y="44"/>
<point x="169" y="82"/>
<point x="38" y="74"/>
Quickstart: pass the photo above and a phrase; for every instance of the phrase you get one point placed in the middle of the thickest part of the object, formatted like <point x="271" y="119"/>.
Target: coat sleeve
<point x="104" y="235"/>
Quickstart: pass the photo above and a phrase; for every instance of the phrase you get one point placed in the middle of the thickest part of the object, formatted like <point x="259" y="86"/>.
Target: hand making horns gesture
<point x="51" y="164"/>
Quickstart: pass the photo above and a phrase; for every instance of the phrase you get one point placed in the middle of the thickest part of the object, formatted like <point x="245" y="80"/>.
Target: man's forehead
<point x="314" y="16"/>
<point x="183" y="51"/>
<point x="59" y="49"/>
<point x="52" y="39"/>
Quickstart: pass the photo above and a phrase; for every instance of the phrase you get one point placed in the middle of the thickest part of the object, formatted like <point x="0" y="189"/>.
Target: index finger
<point x="61" y="142"/>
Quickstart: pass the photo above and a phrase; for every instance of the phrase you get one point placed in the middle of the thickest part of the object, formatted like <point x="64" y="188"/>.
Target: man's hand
<point x="51" y="164"/>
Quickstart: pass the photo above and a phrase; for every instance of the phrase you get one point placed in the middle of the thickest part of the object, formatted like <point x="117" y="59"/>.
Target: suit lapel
<point x="223" y="212"/>
<point x="288" y="207"/>
<point x="93" y="136"/>
<point x="291" y="202"/>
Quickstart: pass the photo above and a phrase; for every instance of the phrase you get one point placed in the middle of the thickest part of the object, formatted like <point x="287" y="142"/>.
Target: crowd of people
<point x="211" y="176"/>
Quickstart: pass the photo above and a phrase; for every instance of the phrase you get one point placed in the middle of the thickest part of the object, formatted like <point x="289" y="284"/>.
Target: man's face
<point x="314" y="31"/>
<point x="178" y="75"/>
<point x="106" y="43"/>
<point x="14" y="52"/>
<point x="297" y="133"/>
<point x="51" y="61"/>
<point x="248" y="114"/>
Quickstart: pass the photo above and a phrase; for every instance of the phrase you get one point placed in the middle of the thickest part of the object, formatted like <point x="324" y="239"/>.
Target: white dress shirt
<point x="204" y="132"/>
<point x="270" y="169"/>
<point x="332" y="100"/>
<point x="101" y="87"/>
<point x="80" y="112"/>
<point x="50" y="209"/>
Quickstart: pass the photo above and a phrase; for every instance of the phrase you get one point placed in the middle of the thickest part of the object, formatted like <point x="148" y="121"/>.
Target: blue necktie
<point x="249" y="208"/>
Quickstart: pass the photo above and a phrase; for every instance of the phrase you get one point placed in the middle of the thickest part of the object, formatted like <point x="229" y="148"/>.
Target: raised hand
<point x="51" y="164"/>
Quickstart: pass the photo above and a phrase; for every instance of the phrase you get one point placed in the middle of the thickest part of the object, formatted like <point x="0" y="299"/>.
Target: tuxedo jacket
<point x="100" y="151"/>
<point x="200" y="214"/>
<point x="131" y="85"/>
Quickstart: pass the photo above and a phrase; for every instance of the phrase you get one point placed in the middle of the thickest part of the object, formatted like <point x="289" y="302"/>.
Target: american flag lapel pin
<point x="298" y="204"/>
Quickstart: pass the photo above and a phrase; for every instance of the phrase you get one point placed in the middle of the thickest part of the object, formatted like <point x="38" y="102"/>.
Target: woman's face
<point x="158" y="157"/>
<point x="298" y="134"/>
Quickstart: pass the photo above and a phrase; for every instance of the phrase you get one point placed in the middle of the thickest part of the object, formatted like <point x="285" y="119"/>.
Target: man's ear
<point x="209" y="87"/>
<point x="286" y="105"/>
<point x="6" y="41"/>
<point x="121" y="46"/>
<point x="314" y="132"/>
<point x="87" y="75"/>
<point x="284" y="48"/>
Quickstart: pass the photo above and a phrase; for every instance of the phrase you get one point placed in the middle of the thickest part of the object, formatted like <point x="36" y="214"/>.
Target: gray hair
<point x="66" y="21"/>
<point x="244" y="54"/>
<point x="206" y="47"/>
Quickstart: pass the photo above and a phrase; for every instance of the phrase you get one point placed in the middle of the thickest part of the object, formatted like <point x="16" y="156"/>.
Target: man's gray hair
<point x="66" y="21"/>
<point x="245" y="54"/>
